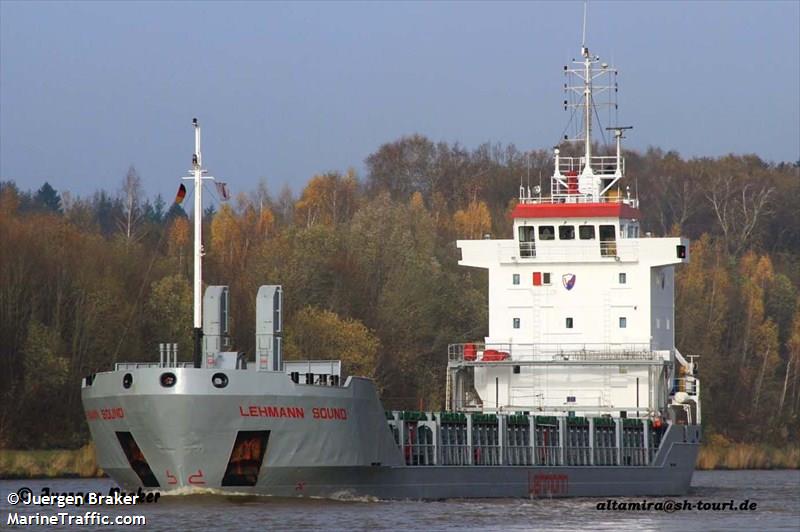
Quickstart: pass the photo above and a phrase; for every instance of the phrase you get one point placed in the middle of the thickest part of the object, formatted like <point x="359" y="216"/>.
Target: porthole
<point x="168" y="380"/>
<point x="219" y="380"/>
<point x="127" y="381"/>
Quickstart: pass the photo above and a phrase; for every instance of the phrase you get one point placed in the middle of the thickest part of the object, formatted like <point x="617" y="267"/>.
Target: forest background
<point x="370" y="274"/>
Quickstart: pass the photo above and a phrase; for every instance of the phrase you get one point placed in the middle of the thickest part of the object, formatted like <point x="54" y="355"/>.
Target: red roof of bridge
<point x="575" y="210"/>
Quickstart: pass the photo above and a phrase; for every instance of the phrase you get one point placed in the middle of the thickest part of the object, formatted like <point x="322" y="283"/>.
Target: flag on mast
<point x="222" y="190"/>
<point x="181" y="194"/>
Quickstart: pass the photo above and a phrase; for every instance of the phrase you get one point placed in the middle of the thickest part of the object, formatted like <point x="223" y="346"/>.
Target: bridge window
<point x="527" y="245"/>
<point x="608" y="241"/>
<point x="516" y="323"/>
<point x="623" y="278"/>
<point x="526" y="233"/>
<point x="566" y="232"/>
<point x="547" y="232"/>
<point x="623" y="322"/>
<point x="586" y="232"/>
<point x="515" y="278"/>
<point x="569" y="323"/>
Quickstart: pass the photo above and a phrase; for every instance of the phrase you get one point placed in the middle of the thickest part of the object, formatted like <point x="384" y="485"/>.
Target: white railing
<point x="608" y="248"/>
<point x="121" y="366"/>
<point x="475" y="352"/>
<point x="527" y="250"/>
<point x="626" y="249"/>
<point x="602" y="165"/>
<point x="565" y="197"/>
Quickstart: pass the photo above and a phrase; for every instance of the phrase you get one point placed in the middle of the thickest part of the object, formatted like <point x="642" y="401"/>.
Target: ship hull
<point x="322" y="441"/>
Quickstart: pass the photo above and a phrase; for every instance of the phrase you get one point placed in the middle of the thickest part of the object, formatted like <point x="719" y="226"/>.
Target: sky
<point x="284" y="91"/>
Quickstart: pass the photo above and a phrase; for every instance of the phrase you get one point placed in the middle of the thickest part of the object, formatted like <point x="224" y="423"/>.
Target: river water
<point x="776" y="495"/>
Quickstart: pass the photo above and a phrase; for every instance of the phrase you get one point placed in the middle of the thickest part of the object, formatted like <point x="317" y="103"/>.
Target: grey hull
<point x="187" y="433"/>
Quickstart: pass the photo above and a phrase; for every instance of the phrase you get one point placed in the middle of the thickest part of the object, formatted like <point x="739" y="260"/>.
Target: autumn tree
<point x="178" y="239"/>
<point x="169" y="312"/>
<point x="791" y="381"/>
<point x="226" y="235"/>
<point x="740" y="200"/>
<point x="315" y="334"/>
<point x="328" y="199"/>
<point x="131" y="196"/>
<point x="474" y="221"/>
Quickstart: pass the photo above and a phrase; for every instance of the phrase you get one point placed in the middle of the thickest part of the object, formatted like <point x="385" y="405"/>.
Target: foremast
<point x="197" y="176"/>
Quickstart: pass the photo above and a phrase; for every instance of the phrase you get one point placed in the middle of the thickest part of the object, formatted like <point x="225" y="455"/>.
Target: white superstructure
<point x="581" y="303"/>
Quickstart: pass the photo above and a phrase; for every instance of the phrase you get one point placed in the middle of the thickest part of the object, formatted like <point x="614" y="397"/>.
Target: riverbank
<point x="721" y="455"/>
<point x="80" y="463"/>
<point x="55" y="463"/>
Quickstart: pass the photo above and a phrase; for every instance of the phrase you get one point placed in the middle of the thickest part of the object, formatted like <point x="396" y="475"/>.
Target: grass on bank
<point x="716" y="453"/>
<point x="50" y="463"/>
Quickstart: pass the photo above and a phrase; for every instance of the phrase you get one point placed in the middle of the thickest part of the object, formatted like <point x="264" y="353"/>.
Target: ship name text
<point x="296" y="412"/>
<point x="107" y="414"/>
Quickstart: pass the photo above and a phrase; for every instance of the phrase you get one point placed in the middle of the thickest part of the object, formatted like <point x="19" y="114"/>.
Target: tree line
<point x="370" y="275"/>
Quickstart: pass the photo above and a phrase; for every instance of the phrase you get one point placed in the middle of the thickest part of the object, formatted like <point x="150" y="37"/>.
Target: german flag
<point x="181" y="194"/>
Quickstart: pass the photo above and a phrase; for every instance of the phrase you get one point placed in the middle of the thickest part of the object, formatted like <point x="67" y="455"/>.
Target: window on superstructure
<point x="515" y="278"/>
<point x="623" y="278"/>
<point x="545" y="277"/>
<point x="566" y="232"/>
<point x="526" y="233"/>
<point x="608" y="241"/>
<point x="527" y="244"/>
<point x="516" y="323"/>
<point x="547" y="232"/>
<point x="569" y="323"/>
<point x="586" y="232"/>
<point x="608" y="232"/>
<point x="623" y="322"/>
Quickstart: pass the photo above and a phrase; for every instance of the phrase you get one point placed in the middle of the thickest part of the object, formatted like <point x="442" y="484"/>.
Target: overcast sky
<point x="287" y="90"/>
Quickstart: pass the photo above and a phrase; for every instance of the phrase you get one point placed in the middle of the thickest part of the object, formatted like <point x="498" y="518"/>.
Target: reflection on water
<point x="777" y="494"/>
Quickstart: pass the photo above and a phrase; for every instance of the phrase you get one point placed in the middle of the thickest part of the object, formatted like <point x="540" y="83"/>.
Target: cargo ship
<point x="577" y="390"/>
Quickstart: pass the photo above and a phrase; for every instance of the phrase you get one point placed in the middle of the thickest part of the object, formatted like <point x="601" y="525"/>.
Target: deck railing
<point x="475" y="352"/>
<point x="121" y="366"/>
<point x="602" y="165"/>
<point x="439" y="438"/>
<point x="626" y="249"/>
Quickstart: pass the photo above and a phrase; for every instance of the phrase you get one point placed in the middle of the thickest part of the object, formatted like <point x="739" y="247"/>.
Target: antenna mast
<point x="582" y="90"/>
<point x="587" y="104"/>
<point x="583" y="36"/>
<point x="587" y="96"/>
<point x="197" y="167"/>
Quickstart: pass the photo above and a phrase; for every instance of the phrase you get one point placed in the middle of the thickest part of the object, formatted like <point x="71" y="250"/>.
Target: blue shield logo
<point x="568" y="280"/>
